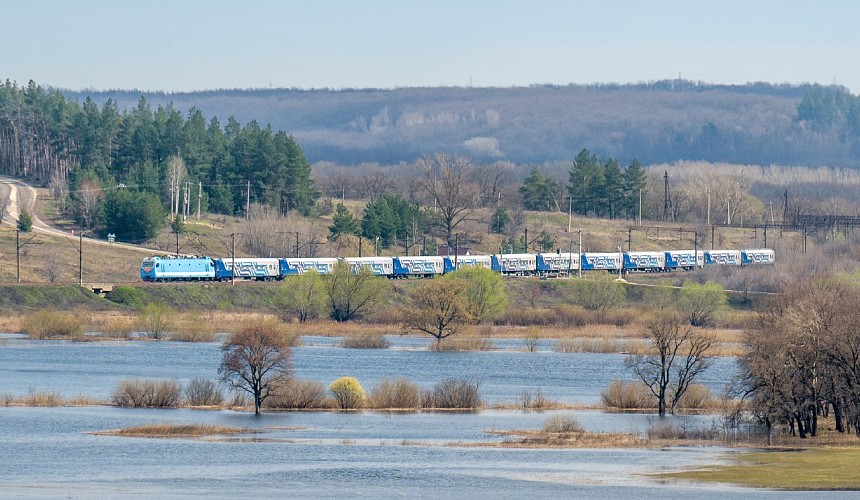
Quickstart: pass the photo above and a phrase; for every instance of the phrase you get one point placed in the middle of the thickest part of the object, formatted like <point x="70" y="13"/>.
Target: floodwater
<point x="49" y="453"/>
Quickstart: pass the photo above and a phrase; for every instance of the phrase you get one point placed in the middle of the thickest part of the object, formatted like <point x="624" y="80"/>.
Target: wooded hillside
<point x="657" y="122"/>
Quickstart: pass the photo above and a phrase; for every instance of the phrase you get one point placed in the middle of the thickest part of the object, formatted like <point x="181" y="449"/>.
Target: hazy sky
<point x="193" y="45"/>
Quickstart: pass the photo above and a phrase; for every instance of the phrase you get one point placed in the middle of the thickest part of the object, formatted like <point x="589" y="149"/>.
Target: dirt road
<point x="22" y="196"/>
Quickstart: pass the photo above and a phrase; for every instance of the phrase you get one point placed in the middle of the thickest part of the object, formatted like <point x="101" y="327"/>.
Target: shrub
<point x="569" y="315"/>
<point x="299" y="395"/>
<point x="128" y="295"/>
<point x="535" y="401"/>
<point x="701" y="303"/>
<point x="697" y="397"/>
<point x="627" y="396"/>
<point x="462" y="344"/>
<point x="562" y="424"/>
<point x="347" y="393"/>
<point x="119" y="328"/>
<point x="136" y="393"/>
<point x="531" y="340"/>
<point x="52" y="324"/>
<point x="453" y="394"/>
<point x="156" y="320"/>
<point x="203" y="392"/>
<point x="365" y="341"/>
<point x="396" y="393"/>
<point x="194" y="328"/>
<point x="599" y="295"/>
<point x="675" y="432"/>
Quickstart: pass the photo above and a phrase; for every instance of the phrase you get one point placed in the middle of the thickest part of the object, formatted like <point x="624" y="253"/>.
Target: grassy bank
<point x="812" y="469"/>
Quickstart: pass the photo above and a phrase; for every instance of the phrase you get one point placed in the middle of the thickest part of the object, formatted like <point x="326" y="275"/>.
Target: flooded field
<point x="49" y="451"/>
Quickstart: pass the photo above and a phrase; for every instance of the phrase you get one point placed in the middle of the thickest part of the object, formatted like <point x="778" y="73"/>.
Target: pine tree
<point x="343" y="222"/>
<point x="634" y="183"/>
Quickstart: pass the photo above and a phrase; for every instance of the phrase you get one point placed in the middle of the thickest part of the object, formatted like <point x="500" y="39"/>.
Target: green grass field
<point x="814" y="469"/>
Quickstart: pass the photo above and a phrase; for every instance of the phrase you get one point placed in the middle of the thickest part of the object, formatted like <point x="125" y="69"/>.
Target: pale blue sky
<point x="195" y="45"/>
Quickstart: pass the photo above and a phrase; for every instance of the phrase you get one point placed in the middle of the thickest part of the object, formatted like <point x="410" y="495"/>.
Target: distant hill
<point x="657" y="122"/>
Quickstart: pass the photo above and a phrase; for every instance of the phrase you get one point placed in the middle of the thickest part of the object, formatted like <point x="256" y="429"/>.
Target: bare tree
<point x="676" y="356"/>
<point x="492" y="179"/>
<point x="255" y="360"/>
<point x="175" y="175"/>
<point x="270" y="234"/>
<point x="438" y="308"/>
<point x="88" y="201"/>
<point x="449" y="181"/>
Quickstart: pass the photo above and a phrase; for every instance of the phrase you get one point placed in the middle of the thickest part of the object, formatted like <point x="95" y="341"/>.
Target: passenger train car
<point x="518" y="264"/>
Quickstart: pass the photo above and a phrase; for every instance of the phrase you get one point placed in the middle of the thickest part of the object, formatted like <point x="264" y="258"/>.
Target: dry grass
<point x="547" y="439"/>
<point x="83" y="400"/>
<point x="365" y="341"/>
<point x="457" y="344"/>
<point x="11" y="323"/>
<point x="52" y="325"/>
<point x="48" y="398"/>
<point x="194" y="327"/>
<point x="593" y="345"/>
<point x="168" y="430"/>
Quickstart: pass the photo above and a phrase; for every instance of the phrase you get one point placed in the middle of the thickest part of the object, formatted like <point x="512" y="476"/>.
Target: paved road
<point x="22" y="197"/>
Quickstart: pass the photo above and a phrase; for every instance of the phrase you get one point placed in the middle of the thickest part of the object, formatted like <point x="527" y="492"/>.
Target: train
<point x="544" y="265"/>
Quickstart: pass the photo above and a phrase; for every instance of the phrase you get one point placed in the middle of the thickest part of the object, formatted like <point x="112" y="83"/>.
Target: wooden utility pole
<point x="666" y="202"/>
<point x="81" y="258"/>
<point x="233" y="260"/>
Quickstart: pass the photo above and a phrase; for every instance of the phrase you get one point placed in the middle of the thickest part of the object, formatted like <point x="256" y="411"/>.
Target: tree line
<point x="803" y="359"/>
<point x="656" y="122"/>
<point x="100" y="160"/>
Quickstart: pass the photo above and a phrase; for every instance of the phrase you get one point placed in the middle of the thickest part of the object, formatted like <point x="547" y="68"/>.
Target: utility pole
<point x="526" y="240"/>
<point x="569" y="256"/>
<point x="18" y="255"/>
<point x="695" y="249"/>
<point x="199" y="198"/>
<point x="457" y="248"/>
<point x="640" y="208"/>
<point x="248" y="202"/>
<point x="579" y="268"/>
<point x="569" y="211"/>
<point x="709" y="206"/>
<point x="666" y="202"/>
<point x="297" y="244"/>
<point x="629" y="238"/>
<point x="81" y="258"/>
<point x="728" y="211"/>
<point x="233" y="260"/>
